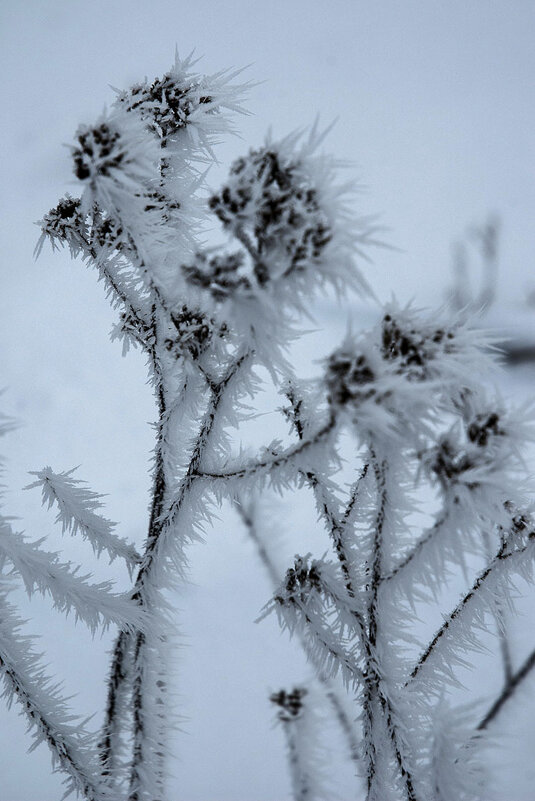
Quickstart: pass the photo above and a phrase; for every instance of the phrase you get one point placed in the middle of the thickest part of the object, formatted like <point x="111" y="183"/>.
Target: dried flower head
<point x="193" y="333"/>
<point x="290" y="703"/>
<point x="222" y="275"/>
<point x="64" y="224"/>
<point x="117" y="162"/>
<point x="272" y="199"/>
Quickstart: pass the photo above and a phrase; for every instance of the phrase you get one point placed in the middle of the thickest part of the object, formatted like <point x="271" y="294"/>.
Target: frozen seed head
<point x="166" y="104"/>
<point x="183" y="102"/>
<point x="290" y="704"/>
<point x="412" y="349"/>
<point x="448" y="461"/>
<point x="483" y="427"/>
<point x="480" y="457"/>
<point x="117" y="161"/>
<point x="194" y="331"/>
<point x="303" y="577"/>
<point x="272" y="199"/>
<point x="64" y="224"/>
<point x="100" y="150"/>
<point x="223" y="275"/>
<point x="349" y="377"/>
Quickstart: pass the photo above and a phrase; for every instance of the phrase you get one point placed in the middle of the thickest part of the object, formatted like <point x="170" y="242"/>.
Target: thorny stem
<point x="57" y="741"/>
<point x="330" y="693"/>
<point x="108" y="743"/>
<point x="159" y="521"/>
<point x="338" y="654"/>
<point x="372" y="683"/>
<point x="429" y="535"/>
<point x="269" y="465"/>
<point x="501" y="556"/>
<point x="499" y="616"/>
<point x="373" y="686"/>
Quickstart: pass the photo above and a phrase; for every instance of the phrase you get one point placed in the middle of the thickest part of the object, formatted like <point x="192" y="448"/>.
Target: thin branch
<point x="116" y="707"/>
<point x="330" y="693"/>
<point x="508" y="691"/>
<point x="269" y="465"/>
<point x="45" y="709"/>
<point x="40" y="570"/>
<point x="427" y="537"/>
<point x="160" y="519"/>
<point x="76" y="513"/>
<point x="501" y="556"/>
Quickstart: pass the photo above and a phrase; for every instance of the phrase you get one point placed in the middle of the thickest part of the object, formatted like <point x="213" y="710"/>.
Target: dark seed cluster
<point x="65" y="222"/>
<point x="483" y="427"/>
<point x="300" y="578"/>
<point x="194" y="332"/>
<point x="223" y="275"/>
<point x="100" y="150"/>
<point x="290" y="703"/>
<point x="157" y="200"/>
<point x="165" y="103"/>
<point x="349" y="378"/>
<point x="411" y="349"/>
<point x="275" y="204"/>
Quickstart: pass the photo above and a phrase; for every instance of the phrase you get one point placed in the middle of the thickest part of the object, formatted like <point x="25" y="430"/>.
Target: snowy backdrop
<point x="434" y="108"/>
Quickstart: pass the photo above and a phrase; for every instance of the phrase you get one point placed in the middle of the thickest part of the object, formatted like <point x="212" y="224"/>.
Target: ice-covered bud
<point x="483" y="427"/>
<point x="413" y="348"/>
<point x="290" y="704"/>
<point x="194" y="331"/>
<point x="426" y="347"/>
<point x="166" y="104"/>
<point x="303" y="577"/>
<point x="64" y="224"/>
<point x="273" y="200"/>
<point x="478" y="462"/>
<point x="448" y="461"/>
<point x="223" y="275"/>
<point x="379" y="401"/>
<point x="349" y="377"/>
<point x="118" y="163"/>
<point x="100" y="150"/>
<point x="186" y="112"/>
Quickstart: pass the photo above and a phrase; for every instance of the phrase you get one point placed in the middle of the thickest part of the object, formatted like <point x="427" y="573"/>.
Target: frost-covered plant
<point x="410" y="395"/>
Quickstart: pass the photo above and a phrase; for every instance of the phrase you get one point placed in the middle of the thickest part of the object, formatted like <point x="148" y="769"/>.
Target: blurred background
<point x="434" y="109"/>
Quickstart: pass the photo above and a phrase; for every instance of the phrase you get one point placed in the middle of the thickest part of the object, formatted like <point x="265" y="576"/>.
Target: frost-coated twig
<point x="368" y="638"/>
<point x="76" y="513"/>
<point x="499" y="615"/>
<point x="162" y="521"/>
<point x="248" y="518"/>
<point x="269" y="465"/>
<point x="45" y="710"/>
<point x="508" y="691"/>
<point x="416" y="550"/>
<point x="499" y="561"/>
<point x="373" y="691"/>
<point x="41" y="570"/>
